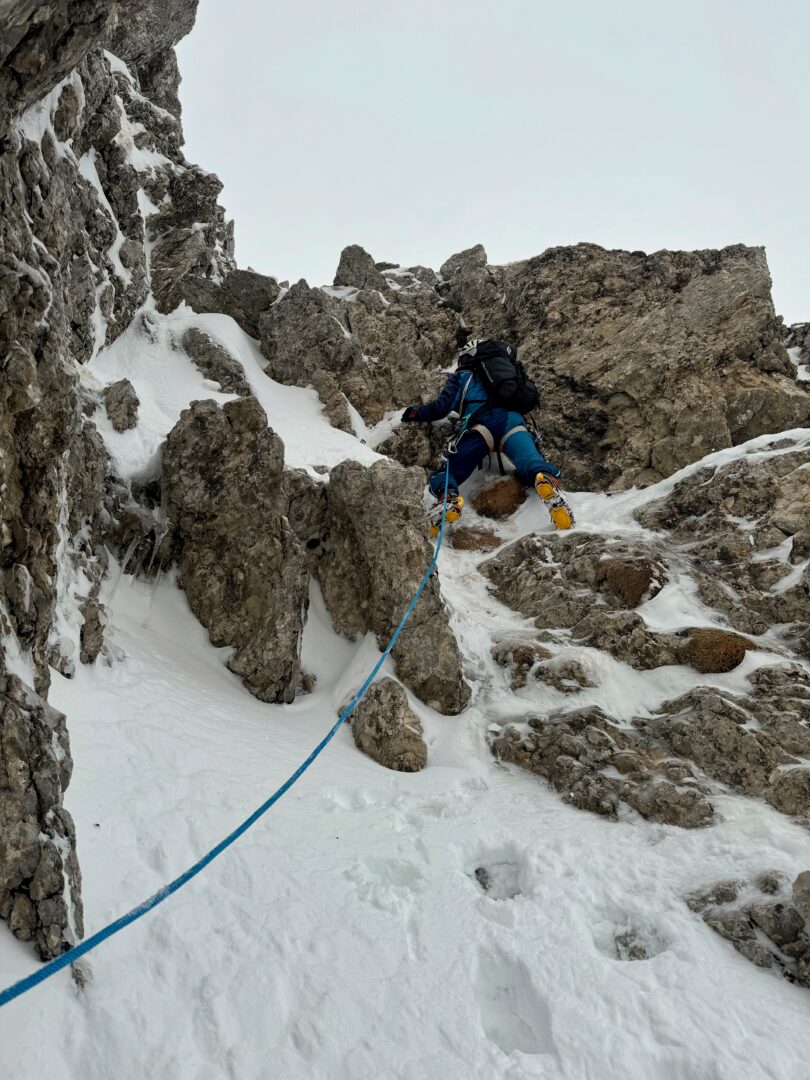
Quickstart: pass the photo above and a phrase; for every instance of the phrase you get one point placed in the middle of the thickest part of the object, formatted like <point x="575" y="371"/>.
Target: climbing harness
<point x="72" y="955"/>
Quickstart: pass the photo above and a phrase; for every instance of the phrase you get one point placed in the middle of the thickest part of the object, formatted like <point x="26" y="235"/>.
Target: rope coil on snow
<point x="72" y="955"/>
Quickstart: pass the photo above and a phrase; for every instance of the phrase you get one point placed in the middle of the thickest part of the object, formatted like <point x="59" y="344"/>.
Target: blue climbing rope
<point x="72" y="955"/>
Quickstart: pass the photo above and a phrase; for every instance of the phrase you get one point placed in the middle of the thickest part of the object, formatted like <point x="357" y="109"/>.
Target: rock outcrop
<point x="766" y="920"/>
<point x="121" y="403"/>
<point x="241" y="565"/>
<point x="378" y="554"/>
<point x="40" y="883"/>
<point x="215" y="362"/>
<point x="577" y="752"/>
<point x="645" y="362"/>
<point x="743" y="527"/>
<point x="386" y="728"/>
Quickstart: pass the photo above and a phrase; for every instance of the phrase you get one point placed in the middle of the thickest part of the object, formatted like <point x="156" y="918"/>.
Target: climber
<point x="492" y="395"/>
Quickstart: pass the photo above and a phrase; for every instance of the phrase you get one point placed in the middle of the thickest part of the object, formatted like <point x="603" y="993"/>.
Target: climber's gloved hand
<point x="409" y="416"/>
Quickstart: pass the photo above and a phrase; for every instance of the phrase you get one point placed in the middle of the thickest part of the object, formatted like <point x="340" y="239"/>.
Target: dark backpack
<point x="501" y="374"/>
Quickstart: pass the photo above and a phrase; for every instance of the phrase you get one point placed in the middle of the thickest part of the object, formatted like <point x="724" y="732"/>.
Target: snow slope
<point x="346" y="936"/>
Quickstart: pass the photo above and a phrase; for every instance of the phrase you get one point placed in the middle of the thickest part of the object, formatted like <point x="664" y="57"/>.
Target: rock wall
<point x="645" y="362"/>
<point x="92" y="178"/>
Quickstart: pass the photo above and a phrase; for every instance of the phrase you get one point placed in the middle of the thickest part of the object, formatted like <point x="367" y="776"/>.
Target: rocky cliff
<point x="647" y="364"/>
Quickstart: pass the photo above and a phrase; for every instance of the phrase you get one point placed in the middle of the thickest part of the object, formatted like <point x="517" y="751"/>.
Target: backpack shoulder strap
<point x="471" y="375"/>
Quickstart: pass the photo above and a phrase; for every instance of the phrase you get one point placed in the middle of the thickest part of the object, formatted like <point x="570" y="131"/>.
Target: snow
<point x="166" y="381"/>
<point x="802" y="370"/>
<point x="346" y="936"/>
<point x="87" y="167"/>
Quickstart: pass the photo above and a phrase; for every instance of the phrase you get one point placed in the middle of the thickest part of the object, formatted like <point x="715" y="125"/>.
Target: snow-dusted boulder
<point x="241" y="566"/>
<point x="386" y="728"/>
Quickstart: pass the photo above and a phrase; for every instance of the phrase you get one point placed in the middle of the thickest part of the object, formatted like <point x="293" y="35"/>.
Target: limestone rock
<point x="146" y="27"/>
<point x="769" y="932"/>
<point x="357" y="268"/>
<point x="801" y="894"/>
<point x="711" y="729"/>
<point x="385" y="728"/>
<point x="384" y="353"/>
<point x="243" y="294"/>
<point x="520" y="657"/>
<point x="40" y="883"/>
<point x="729" y="522"/>
<point x="561" y="579"/>
<point x="574" y="750"/>
<point x="215" y="362"/>
<point x="644" y="362"/>
<point x="121" y="403"/>
<point x="40" y="44"/>
<point x="241" y="566"/>
<point x="377" y="556"/>
<point x="92" y="632"/>
<point x="417" y="444"/>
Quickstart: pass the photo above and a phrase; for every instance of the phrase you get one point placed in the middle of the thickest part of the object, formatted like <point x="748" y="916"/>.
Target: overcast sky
<point x="419" y="128"/>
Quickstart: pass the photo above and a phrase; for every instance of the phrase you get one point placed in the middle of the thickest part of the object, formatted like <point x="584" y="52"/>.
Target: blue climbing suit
<point x="491" y="430"/>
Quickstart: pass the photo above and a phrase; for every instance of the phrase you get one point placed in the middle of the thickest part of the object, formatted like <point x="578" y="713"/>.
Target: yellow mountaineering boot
<point x="557" y="505"/>
<point x="455" y="505"/>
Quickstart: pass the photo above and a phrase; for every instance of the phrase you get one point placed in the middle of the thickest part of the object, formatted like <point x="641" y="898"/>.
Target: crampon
<point x="455" y="504"/>
<point x="556" y="503"/>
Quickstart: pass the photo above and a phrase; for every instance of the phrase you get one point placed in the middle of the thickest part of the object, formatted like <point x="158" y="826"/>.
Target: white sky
<point x="419" y="128"/>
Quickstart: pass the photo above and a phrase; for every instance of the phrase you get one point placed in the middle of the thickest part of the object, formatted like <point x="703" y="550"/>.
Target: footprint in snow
<point x="387" y="884"/>
<point x="631" y="941"/>
<point x="514" y="1014"/>
<point x="499" y="880"/>
<point x="500" y="873"/>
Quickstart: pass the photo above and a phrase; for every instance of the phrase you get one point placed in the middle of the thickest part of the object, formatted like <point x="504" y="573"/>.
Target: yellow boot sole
<point x="544" y="487"/>
<point x="453" y="514"/>
<point x="561" y="516"/>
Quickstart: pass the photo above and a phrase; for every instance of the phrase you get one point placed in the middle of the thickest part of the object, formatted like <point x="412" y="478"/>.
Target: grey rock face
<point x="192" y="242"/>
<point x="121" y="403"/>
<point x="40" y="883"/>
<point x="727" y="522"/>
<point x="738" y="909"/>
<point x="713" y="729"/>
<point x="241" y="566"/>
<point x="41" y="43"/>
<point x="798" y="337"/>
<point x="540" y="573"/>
<point x="573" y="751"/>
<point x="651" y="358"/>
<point x="215" y="362"/>
<point x="145" y="28"/>
<point x="381" y="352"/>
<point x="385" y="728"/>
<point x="801" y="894"/>
<point x="377" y="558"/>
<point x="645" y="362"/>
<point x="243" y="294"/>
<point x="357" y="268"/>
<point x="73" y="271"/>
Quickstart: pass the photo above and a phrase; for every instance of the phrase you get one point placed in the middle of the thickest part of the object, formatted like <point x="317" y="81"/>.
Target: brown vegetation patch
<point x="630" y="581"/>
<point x="501" y="499"/>
<point x="468" y="538"/>
<point x="715" y="651"/>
